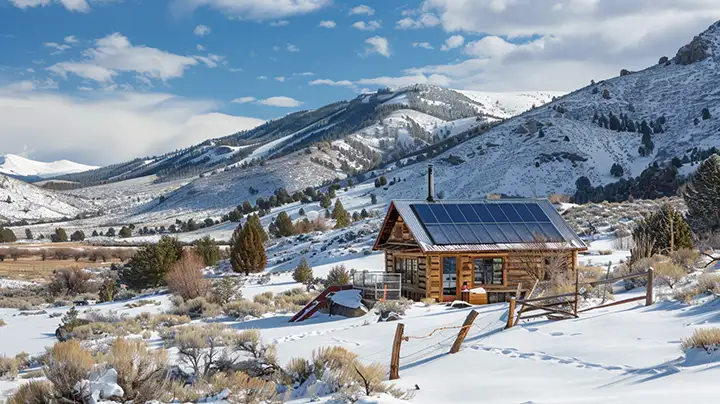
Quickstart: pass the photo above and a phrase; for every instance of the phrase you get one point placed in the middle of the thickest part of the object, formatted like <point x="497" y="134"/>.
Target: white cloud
<point x="327" y="24"/>
<point x="30" y="70"/>
<point x="305" y="74"/>
<point x="369" y="26"/>
<point x="326" y="82"/>
<point x="284" y="102"/>
<point x="132" y="124"/>
<point x="243" y="100"/>
<point x="453" y="42"/>
<point x="426" y="20"/>
<point x="362" y="9"/>
<point x="211" y="60"/>
<point x="292" y="48"/>
<point x="379" y="45"/>
<point x="424" y="45"/>
<point x="200" y="48"/>
<point x="262" y="77"/>
<point x="58" y="47"/>
<point x="202" y="30"/>
<point x="70" y="5"/>
<point x="395" y="82"/>
<point x="70" y="39"/>
<point x="114" y="53"/>
<point x="253" y="9"/>
<point x="280" y="23"/>
<point x="280" y="79"/>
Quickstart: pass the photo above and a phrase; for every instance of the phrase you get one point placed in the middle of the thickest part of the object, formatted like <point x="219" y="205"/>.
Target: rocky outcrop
<point x="624" y="72"/>
<point x="695" y="51"/>
<point x="663" y="60"/>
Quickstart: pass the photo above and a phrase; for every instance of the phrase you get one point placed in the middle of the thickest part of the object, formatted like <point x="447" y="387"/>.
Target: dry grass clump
<point x="709" y="283"/>
<point x="245" y="389"/>
<point x="266" y="299"/>
<point x="8" y="367"/>
<point x="707" y="339"/>
<point x="394" y="306"/>
<point x="142" y="372"/>
<point x="168" y="320"/>
<point x="669" y="273"/>
<point x="2" y="323"/>
<point x="428" y="301"/>
<point x="244" y="308"/>
<point x="186" y="279"/>
<point x="68" y="364"/>
<point x="141" y="303"/>
<point x="685" y="257"/>
<point x="202" y="348"/>
<point x="98" y="330"/>
<point x="198" y="307"/>
<point x="34" y="392"/>
<point x="70" y="282"/>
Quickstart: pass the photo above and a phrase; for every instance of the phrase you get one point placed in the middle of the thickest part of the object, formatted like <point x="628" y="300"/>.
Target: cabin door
<point x="449" y="278"/>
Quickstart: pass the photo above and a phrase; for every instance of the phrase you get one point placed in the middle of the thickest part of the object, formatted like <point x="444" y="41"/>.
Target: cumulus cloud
<point x="70" y="39"/>
<point x="70" y="5"/>
<point x="453" y="42"/>
<point x="426" y="20"/>
<point x="326" y="82"/>
<point x="114" y="53"/>
<point x="243" y="100"/>
<point x="202" y="30"/>
<point x="424" y="45"/>
<point x="362" y="9"/>
<point x="284" y="102"/>
<point x="292" y="48"/>
<point x="253" y="9"/>
<point x="402" y="81"/>
<point x="104" y="128"/>
<point x="379" y="45"/>
<point x="367" y="26"/>
<point x="280" y="23"/>
<point x="280" y="79"/>
<point x="327" y="24"/>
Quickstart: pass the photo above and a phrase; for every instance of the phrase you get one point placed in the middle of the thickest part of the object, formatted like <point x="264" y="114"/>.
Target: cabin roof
<point x="486" y="225"/>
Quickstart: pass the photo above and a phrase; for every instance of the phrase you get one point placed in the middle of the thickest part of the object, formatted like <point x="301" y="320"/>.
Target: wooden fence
<point x="564" y="306"/>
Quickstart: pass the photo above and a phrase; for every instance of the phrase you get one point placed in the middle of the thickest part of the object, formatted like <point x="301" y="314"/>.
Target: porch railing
<point x="378" y="286"/>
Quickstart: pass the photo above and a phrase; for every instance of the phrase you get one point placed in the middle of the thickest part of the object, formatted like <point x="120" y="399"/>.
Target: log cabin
<point x="489" y="248"/>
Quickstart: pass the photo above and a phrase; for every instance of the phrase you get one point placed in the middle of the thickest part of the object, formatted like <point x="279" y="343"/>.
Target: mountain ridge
<point x="28" y="169"/>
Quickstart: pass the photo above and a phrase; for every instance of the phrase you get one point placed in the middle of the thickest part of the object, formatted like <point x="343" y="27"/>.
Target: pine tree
<point x="28" y="234"/>
<point x="70" y="319"/>
<point x="208" y="249"/>
<point x="301" y="212"/>
<point x="95" y="233"/>
<point x="60" y="236"/>
<point x="616" y="170"/>
<point x="254" y="220"/>
<point x="247" y="252"/>
<point x="284" y="225"/>
<point x="110" y="232"/>
<point x="702" y="196"/>
<point x="338" y="275"/>
<point x="341" y="216"/>
<point x="78" y="235"/>
<point x="303" y="273"/>
<point x="657" y="227"/>
<point x="705" y="116"/>
<point x="7" y="235"/>
<point x="148" y="267"/>
<point x="364" y="214"/>
<point x="373" y="199"/>
<point x="125" y="232"/>
<point x="325" y="202"/>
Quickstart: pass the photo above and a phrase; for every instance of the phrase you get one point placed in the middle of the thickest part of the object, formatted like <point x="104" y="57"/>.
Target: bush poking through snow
<point x="68" y="365"/>
<point x="34" y="392"/>
<point x="709" y="283"/>
<point x="8" y="367"/>
<point x="685" y="257"/>
<point x="185" y="277"/>
<point x="196" y="308"/>
<point x="338" y="275"/>
<point x="70" y="282"/>
<point x="298" y="371"/>
<point x="243" y="308"/>
<point x="303" y="273"/>
<point x="203" y="347"/>
<point x="393" y="306"/>
<point x="669" y="273"/>
<point x="428" y="301"/>
<point x="245" y="389"/>
<point x="142" y="372"/>
<point x="2" y="323"/>
<point x="707" y="339"/>
<point x="225" y="290"/>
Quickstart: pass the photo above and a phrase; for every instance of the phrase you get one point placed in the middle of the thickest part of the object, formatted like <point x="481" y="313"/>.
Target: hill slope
<point x="18" y="166"/>
<point x="22" y="201"/>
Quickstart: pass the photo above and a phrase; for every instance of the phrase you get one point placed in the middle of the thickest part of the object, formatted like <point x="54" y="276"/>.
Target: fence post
<point x="511" y="313"/>
<point x="395" y="359"/>
<point x="649" y="298"/>
<point x="464" y="331"/>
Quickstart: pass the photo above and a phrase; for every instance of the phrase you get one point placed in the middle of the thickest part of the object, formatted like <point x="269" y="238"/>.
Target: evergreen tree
<point x="616" y="170"/>
<point x="9" y="199"/>
<point x="338" y="275"/>
<point x="7" y="235"/>
<point x="705" y="115"/>
<point x="303" y="273"/>
<point x="28" y="234"/>
<point x="246" y="207"/>
<point x="70" y="319"/>
<point x="254" y="220"/>
<point x="283" y="225"/>
<point x="60" y="236"/>
<point x="301" y="212"/>
<point x="125" y="232"/>
<point x="364" y="214"/>
<point x="356" y="216"/>
<point x="208" y="249"/>
<point x="644" y="128"/>
<point x="78" y="235"/>
<point x="341" y="216"/>
<point x="614" y="122"/>
<point x="325" y="202"/>
<point x="110" y="232"/>
<point x="383" y="181"/>
<point x="373" y="199"/>
<point x="95" y="233"/>
<point x="702" y="197"/>
<point x="247" y="253"/>
<point x="657" y="228"/>
<point x="148" y="267"/>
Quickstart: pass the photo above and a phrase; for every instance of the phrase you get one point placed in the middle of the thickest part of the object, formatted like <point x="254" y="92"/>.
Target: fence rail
<point x="378" y="285"/>
<point x="553" y="308"/>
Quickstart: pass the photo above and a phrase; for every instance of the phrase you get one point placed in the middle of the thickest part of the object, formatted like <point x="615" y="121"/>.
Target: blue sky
<point x="102" y="81"/>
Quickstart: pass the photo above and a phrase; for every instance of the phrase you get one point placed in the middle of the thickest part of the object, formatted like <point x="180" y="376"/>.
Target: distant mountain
<point x="21" y="201"/>
<point x="21" y="167"/>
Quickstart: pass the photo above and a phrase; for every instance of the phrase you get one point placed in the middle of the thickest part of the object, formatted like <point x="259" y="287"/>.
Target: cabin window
<point x="408" y="267"/>
<point x="488" y="271"/>
<point x="449" y="276"/>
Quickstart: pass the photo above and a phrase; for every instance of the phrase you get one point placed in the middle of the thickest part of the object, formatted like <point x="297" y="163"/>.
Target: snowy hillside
<point x="507" y="105"/>
<point x="18" y="166"/>
<point x="547" y="149"/>
<point x="22" y="201"/>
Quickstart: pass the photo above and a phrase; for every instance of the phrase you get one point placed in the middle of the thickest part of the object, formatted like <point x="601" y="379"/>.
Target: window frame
<point x="405" y="265"/>
<point x="493" y="259"/>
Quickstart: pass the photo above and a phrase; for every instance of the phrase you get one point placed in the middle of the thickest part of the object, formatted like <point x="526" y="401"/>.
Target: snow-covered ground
<point x="12" y="164"/>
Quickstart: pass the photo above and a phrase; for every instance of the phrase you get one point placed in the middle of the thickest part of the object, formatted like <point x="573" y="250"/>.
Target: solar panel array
<point x="486" y="223"/>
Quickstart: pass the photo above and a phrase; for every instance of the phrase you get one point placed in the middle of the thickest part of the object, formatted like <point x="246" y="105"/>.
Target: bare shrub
<point x="394" y="306"/>
<point x="245" y="389"/>
<point x="185" y="277"/>
<point x="142" y="372"/>
<point x="70" y="282"/>
<point x="8" y="367"/>
<point x="2" y="323"/>
<point x="707" y="339"/>
<point x="298" y="371"/>
<point x="685" y="257"/>
<point x="335" y="360"/>
<point x="168" y="320"/>
<point x="68" y="365"/>
<point x="669" y="273"/>
<point x="243" y="308"/>
<point x="203" y="347"/>
<point x="709" y="283"/>
<point x="197" y="308"/>
<point x="34" y="392"/>
<point x="371" y="379"/>
<point x="263" y="360"/>
<point x="685" y="294"/>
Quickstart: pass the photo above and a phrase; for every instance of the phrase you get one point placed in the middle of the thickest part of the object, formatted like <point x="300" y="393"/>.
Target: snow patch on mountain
<point x="507" y="105"/>
<point x="11" y="164"/>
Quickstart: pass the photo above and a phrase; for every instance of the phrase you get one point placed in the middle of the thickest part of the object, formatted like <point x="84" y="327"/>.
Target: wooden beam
<point x="649" y="297"/>
<point x="551" y="310"/>
<point x="511" y="313"/>
<point x="463" y="331"/>
<point x="634" y="299"/>
<point x="395" y="358"/>
<point x="539" y="299"/>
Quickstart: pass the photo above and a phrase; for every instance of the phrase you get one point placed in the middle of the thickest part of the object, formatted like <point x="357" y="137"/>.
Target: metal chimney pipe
<point x="431" y="184"/>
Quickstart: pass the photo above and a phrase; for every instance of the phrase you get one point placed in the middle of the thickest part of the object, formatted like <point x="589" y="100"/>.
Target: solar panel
<point x="486" y="223"/>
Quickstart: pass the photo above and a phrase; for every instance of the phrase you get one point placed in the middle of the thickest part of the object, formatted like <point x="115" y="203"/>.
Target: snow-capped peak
<point x="19" y="166"/>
